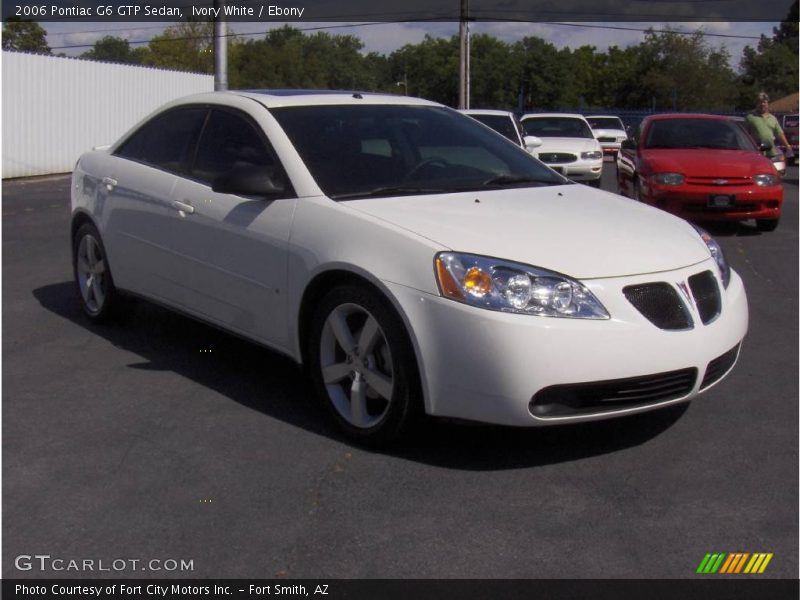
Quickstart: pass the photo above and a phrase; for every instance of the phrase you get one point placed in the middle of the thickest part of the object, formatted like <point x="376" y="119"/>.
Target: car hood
<point x="571" y="229"/>
<point x="706" y="163"/>
<point x="567" y="144"/>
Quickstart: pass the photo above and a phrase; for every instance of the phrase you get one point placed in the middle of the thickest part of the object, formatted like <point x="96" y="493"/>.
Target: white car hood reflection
<point x="571" y="229"/>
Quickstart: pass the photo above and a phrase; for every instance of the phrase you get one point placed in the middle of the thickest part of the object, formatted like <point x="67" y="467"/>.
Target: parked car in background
<point x="790" y="129"/>
<point x="568" y="145"/>
<point x="609" y="131"/>
<point x="505" y="123"/>
<point x="701" y="167"/>
<point x="412" y="259"/>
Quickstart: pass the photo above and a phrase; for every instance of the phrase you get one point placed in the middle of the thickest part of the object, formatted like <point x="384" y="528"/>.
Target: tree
<point x="541" y="72"/>
<point x="24" y="36"/>
<point x="772" y="66"/>
<point x="682" y="72"/>
<point x="115" y="49"/>
<point x="187" y="46"/>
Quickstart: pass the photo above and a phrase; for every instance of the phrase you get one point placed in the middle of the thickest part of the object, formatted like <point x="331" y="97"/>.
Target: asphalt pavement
<point x="163" y="440"/>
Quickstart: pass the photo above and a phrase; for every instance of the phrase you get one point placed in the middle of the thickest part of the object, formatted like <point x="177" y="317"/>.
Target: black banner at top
<point x="399" y="10"/>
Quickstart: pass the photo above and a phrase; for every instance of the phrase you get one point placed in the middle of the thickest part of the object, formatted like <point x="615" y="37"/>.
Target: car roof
<point x="567" y="115"/>
<point x="672" y="116"/>
<point x="602" y="117"/>
<point x="279" y="98"/>
<point x="486" y="111"/>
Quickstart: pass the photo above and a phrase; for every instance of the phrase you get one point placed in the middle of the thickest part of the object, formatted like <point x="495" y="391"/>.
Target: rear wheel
<point x="767" y="224"/>
<point x="98" y="297"/>
<point x="363" y="365"/>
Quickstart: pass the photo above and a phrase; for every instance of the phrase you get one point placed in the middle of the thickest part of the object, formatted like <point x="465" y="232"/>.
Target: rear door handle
<point x="110" y="183"/>
<point x="183" y="207"/>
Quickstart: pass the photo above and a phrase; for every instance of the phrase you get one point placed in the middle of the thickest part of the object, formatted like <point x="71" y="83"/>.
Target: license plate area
<point x="721" y="200"/>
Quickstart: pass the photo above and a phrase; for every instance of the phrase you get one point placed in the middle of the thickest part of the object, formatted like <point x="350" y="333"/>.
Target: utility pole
<point x="220" y="48"/>
<point x="463" y="70"/>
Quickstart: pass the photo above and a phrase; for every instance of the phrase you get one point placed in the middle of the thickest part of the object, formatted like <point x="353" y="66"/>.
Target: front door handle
<point x="183" y="207"/>
<point x="110" y="183"/>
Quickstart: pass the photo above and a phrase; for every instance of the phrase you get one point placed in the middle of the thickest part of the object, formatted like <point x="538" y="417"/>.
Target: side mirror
<point x="629" y="144"/>
<point x="764" y="147"/>
<point x="531" y="142"/>
<point x="250" y="180"/>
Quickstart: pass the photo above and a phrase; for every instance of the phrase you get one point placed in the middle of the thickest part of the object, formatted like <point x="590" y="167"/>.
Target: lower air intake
<point x="614" y="394"/>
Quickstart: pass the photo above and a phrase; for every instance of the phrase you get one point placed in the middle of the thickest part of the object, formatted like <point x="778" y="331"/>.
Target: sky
<point x="384" y="38"/>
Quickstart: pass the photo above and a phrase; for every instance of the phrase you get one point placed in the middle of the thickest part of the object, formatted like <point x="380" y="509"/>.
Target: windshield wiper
<point x="390" y="190"/>
<point x="512" y="179"/>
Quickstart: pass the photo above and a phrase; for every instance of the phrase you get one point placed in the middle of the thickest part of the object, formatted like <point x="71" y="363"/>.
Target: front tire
<point x="767" y="225"/>
<point x="99" y="298"/>
<point x="363" y="365"/>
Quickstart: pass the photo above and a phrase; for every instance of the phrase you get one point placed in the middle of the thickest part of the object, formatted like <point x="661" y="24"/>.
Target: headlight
<point x="717" y="254"/>
<point x="668" y="178"/>
<point x="765" y="179"/>
<point x="592" y="155"/>
<point x="513" y="287"/>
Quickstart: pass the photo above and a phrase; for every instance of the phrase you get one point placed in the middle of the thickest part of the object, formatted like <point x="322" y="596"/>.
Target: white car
<point x="505" y="123"/>
<point x="609" y="131"/>
<point x="568" y="145"/>
<point x="413" y="260"/>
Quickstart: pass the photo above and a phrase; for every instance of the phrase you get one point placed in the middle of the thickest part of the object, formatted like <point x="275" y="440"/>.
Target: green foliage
<point x="771" y="67"/>
<point x="115" y="49"/>
<point x="24" y="36"/>
<point x="286" y="58"/>
<point x="187" y="46"/>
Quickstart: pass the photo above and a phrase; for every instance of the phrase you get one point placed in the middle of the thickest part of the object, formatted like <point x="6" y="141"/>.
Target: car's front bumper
<point x="582" y="170"/>
<point x="487" y="366"/>
<point x="697" y="201"/>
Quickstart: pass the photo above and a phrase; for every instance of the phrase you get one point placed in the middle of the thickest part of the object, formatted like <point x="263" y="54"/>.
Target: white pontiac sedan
<point x="413" y="260"/>
<point x="568" y="145"/>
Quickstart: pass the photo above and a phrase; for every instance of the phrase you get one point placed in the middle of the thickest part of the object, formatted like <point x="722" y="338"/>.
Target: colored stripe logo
<point x="735" y="563"/>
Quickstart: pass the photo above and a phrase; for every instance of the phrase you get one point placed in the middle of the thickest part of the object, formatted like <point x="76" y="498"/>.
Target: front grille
<point x="718" y="367"/>
<point x="606" y="139"/>
<point x="615" y="394"/>
<point x="660" y="304"/>
<point x="557" y="157"/>
<point x="719" y="181"/>
<point x="706" y="295"/>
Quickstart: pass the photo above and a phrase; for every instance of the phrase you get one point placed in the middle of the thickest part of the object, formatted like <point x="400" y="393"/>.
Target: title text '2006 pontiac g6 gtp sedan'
<point x="414" y="260"/>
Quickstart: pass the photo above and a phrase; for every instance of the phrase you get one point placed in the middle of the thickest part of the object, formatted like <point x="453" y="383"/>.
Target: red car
<point x="700" y="167"/>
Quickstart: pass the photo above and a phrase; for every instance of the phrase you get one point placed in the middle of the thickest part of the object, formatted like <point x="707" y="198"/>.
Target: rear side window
<point x="229" y="141"/>
<point x="166" y="141"/>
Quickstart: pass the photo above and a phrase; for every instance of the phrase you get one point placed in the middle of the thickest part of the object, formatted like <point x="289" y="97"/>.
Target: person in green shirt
<point x="765" y="128"/>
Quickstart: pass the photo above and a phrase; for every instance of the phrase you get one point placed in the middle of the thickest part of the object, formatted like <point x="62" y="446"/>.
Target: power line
<point x="348" y="25"/>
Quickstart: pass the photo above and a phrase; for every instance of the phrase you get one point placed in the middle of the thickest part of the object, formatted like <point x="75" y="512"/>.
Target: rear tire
<point x="363" y="365"/>
<point x="99" y="298"/>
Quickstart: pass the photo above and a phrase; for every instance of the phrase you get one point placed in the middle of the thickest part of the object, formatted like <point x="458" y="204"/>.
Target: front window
<point x="501" y="124"/>
<point x="605" y="123"/>
<point x="715" y="134"/>
<point x="382" y="150"/>
<point x="547" y="127"/>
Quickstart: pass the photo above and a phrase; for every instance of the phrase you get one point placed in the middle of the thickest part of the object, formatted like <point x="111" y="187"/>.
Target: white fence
<point x="54" y="108"/>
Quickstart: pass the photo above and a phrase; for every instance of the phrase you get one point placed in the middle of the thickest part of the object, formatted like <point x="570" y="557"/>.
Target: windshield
<point x="381" y="150"/>
<point x="605" y="123"/>
<point x="698" y="133"/>
<point x="500" y="124"/>
<point x="545" y="127"/>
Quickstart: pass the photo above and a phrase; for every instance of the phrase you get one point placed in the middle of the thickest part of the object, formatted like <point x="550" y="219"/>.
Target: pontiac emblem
<point x="720" y="181"/>
<point x="685" y="289"/>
